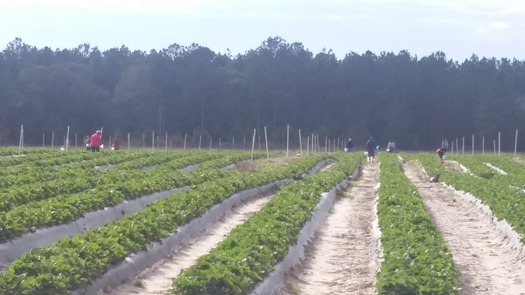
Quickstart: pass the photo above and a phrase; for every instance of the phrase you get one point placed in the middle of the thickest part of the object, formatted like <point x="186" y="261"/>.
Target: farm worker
<point x="349" y="145"/>
<point x="391" y="146"/>
<point x="116" y="143"/>
<point x="96" y="141"/>
<point x="371" y="149"/>
<point x="441" y="153"/>
<point x="87" y="142"/>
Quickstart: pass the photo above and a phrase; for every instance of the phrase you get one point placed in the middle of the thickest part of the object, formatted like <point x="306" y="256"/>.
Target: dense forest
<point x="416" y="101"/>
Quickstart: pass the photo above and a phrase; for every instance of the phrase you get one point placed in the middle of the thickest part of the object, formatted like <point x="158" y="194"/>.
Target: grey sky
<point x="488" y="28"/>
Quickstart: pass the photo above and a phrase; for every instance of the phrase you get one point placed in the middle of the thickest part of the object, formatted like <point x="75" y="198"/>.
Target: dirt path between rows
<point x="485" y="262"/>
<point x="158" y="279"/>
<point x="343" y="258"/>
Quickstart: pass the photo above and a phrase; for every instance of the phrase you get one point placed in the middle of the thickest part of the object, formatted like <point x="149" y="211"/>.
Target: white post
<point x="52" y="139"/>
<point x="200" y="141"/>
<point x="494" y="141"/>
<point x="483" y="145"/>
<point x="67" y="138"/>
<point x="220" y="142"/>
<point x="287" y="139"/>
<point x="266" y="141"/>
<point x="233" y="142"/>
<point x="185" y="135"/>
<point x="43" y="140"/>
<point x="243" y="142"/>
<point x="515" y="143"/>
<point x="325" y="143"/>
<point x="300" y="143"/>
<point x="253" y="141"/>
<point x="143" y="139"/>
<point x="129" y="140"/>
<point x="457" y="147"/>
<point x="152" y="140"/>
<point x="109" y="142"/>
<point x="327" y="147"/>
<point x="166" y="141"/>
<point x="452" y="148"/>
<point x="499" y="143"/>
<point x="307" y="144"/>
<point x="21" y="140"/>
<point x="472" y="144"/>
<point x="312" y="149"/>
<point x="211" y="139"/>
<point x="102" y="130"/>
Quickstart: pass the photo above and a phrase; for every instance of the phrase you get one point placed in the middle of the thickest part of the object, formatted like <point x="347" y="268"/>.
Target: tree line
<point x="414" y="101"/>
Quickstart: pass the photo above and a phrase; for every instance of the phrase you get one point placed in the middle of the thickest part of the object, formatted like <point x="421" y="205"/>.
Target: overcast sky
<point x="459" y="28"/>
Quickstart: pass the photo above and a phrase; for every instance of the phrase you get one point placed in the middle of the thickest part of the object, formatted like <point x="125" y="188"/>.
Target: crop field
<point x="235" y="222"/>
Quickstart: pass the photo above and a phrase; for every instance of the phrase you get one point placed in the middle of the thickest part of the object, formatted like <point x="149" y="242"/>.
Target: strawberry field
<point x="77" y="222"/>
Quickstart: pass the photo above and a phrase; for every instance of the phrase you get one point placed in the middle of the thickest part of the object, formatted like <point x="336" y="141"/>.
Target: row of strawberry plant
<point x="74" y="262"/>
<point x="251" y="251"/>
<point x="41" y="162"/>
<point x="10" y="156"/>
<point x="47" y="169"/>
<point x="506" y="201"/>
<point x="35" y="158"/>
<point x="416" y="258"/>
<point x="14" y="151"/>
<point x="79" y="180"/>
<point x="475" y="165"/>
<point x="66" y="208"/>
<point x="514" y="172"/>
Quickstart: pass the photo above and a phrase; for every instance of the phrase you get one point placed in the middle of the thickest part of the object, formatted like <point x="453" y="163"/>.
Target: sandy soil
<point x="519" y="160"/>
<point x="343" y="257"/>
<point x="486" y="264"/>
<point x="328" y="167"/>
<point x="158" y="279"/>
<point x="453" y="166"/>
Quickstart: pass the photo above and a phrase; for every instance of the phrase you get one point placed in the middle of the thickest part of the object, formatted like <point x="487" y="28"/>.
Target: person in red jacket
<point x="96" y="141"/>
<point x="116" y="143"/>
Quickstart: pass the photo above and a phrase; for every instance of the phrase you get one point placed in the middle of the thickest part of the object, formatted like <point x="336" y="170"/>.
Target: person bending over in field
<point x="390" y="147"/>
<point x="349" y="145"/>
<point x="441" y="153"/>
<point x="116" y="143"/>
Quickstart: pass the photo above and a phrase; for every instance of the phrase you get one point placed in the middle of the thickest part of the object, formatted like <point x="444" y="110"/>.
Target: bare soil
<point x="485" y="262"/>
<point x="252" y="165"/>
<point x="519" y="160"/>
<point x="453" y="166"/>
<point x="342" y="258"/>
<point x="158" y="279"/>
